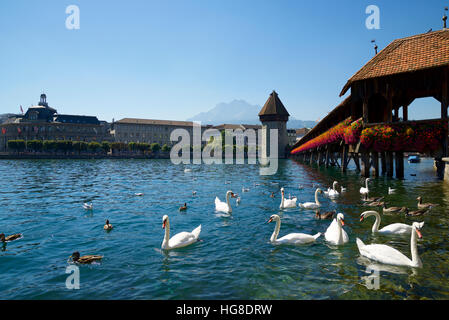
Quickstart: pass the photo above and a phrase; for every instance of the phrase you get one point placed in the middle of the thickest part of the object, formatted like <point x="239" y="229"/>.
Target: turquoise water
<point x="43" y="200"/>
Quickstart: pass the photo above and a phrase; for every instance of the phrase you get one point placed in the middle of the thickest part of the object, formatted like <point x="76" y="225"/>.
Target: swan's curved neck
<point x="227" y="201"/>
<point x="167" y="234"/>
<point x="366" y="184"/>
<point x="282" y="200"/>
<point x="340" y="231"/>
<point x="275" y="234"/>
<point x="416" y="261"/>
<point x="334" y="185"/>
<point x="316" y="198"/>
<point x="377" y="222"/>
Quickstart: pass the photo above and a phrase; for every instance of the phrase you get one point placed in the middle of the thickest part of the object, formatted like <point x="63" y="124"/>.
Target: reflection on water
<point x="235" y="260"/>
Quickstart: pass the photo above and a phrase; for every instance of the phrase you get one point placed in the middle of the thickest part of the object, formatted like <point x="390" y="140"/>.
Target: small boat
<point x="414" y="159"/>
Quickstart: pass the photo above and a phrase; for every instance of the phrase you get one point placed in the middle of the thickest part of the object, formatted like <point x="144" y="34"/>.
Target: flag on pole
<point x="21" y="109"/>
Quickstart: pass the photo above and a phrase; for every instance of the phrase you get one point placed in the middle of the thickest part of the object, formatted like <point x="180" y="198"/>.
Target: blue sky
<point x="173" y="59"/>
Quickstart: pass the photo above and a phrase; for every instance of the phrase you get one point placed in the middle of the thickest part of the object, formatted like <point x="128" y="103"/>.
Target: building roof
<point x="419" y="52"/>
<point x="237" y="126"/>
<point x="273" y="106"/>
<point x="156" y="122"/>
<point x="66" y="118"/>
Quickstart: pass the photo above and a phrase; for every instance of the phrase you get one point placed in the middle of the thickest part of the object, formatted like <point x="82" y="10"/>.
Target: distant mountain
<point x="241" y="112"/>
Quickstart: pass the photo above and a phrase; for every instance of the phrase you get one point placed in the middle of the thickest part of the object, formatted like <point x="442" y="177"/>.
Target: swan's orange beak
<point x="271" y="219"/>
<point x="163" y="224"/>
<point x="342" y="222"/>
<point x="361" y="218"/>
<point x="419" y="233"/>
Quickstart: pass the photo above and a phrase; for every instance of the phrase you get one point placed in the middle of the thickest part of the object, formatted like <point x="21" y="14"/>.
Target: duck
<point x="372" y="199"/>
<point x="238" y="200"/>
<point x="287" y="203"/>
<point x="272" y="195"/>
<point x="326" y="215"/>
<point x="291" y="238"/>
<point x="395" y="228"/>
<point x="365" y="190"/>
<point x="107" y="226"/>
<point x="374" y="204"/>
<point x="393" y="209"/>
<point x="388" y="255"/>
<point x="312" y="205"/>
<point x="342" y="189"/>
<point x="187" y="170"/>
<point x="425" y="205"/>
<point x="85" y="259"/>
<point x="224" y="206"/>
<point x="12" y="237"/>
<point x="391" y="191"/>
<point x="179" y="240"/>
<point x="139" y="194"/>
<point x="416" y="213"/>
<point x="183" y="208"/>
<point x="245" y="189"/>
<point x="88" y="206"/>
<point x="335" y="233"/>
<point x="193" y="193"/>
<point x="332" y="192"/>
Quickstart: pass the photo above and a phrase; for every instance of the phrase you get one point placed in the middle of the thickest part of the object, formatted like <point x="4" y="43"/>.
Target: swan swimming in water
<point x="179" y="240"/>
<point x="287" y="203"/>
<point x="391" y="191"/>
<point x="365" y="190"/>
<point x="332" y="192"/>
<point x="291" y="238"/>
<point x="224" y="206"/>
<point x="395" y="228"/>
<point x="388" y="255"/>
<point x="312" y="205"/>
<point x="335" y="233"/>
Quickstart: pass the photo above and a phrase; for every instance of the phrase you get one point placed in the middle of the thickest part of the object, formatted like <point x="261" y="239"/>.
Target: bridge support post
<point x="389" y="162"/>
<point x="355" y="157"/>
<point x="318" y="160"/>
<point x="365" y="164"/>
<point x="311" y="158"/>
<point x="399" y="158"/>
<point x="344" y="157"/>
<point x="383" y="162"/>
<point x="327" y="157"/>
<point x="375" y="161"/>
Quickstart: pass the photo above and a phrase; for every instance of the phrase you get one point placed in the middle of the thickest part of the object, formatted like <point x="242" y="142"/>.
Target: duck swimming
<point x="10" y="238"/>
<point x="393" y="209"/>
<point x="425" y="205"/>
<point x="107" y="226"/>
<point x="84" y="259"/>
<point x="326" y="215"/>
<point x="88" y="206"/>
<point x="415" y="213"/>
<point x="183" y="208"/>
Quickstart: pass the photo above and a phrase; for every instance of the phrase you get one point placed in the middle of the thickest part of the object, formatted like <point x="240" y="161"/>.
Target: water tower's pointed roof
<point x="273" y="107"/>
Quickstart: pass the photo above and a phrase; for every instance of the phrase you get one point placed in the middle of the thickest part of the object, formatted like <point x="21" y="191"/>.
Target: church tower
<point x="274" y="116"/>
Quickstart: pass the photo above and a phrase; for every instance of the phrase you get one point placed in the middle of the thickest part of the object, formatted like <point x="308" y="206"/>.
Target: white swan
<point x="395" y="228"/>
<point x="287" y="203"/>
<point x="312" y="205"/>
<point x="224" y="206"/>
<point x="332" y="192"/>
<point x="335" y="233"/>
<point x="343" y="189"/>
<point x="391" y="191"/>
<point x="139" y="194"/>
<point x="179" y="240"/>
<point x="365" y="190"/>
<point x="388" y="255"/>
<point x="88" y="206"/>
<point x="291" y="238"/>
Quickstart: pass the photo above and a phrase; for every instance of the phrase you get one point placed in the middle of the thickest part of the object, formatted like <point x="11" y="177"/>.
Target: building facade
<point x="43" y="122"/>
<point x="150" y="131"/>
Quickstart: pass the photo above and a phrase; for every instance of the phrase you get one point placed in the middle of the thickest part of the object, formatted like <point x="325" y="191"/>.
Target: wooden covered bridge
<point x="366" y="127"/>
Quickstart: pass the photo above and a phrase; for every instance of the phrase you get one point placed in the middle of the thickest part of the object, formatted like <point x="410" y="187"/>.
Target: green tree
<point x="155" y="147"/>
<point x="105" y="146"/>
<point x="93" y="146"/>
<point x="165" y="148"/>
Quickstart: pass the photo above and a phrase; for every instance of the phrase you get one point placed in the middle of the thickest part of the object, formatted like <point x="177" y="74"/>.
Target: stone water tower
<point x="274" y="116"/>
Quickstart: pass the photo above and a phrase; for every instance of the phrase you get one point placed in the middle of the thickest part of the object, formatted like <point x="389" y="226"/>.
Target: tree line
<point x="79" y="147"/>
